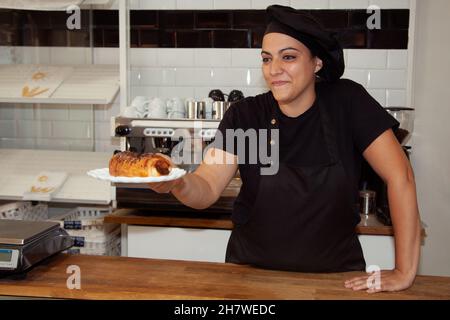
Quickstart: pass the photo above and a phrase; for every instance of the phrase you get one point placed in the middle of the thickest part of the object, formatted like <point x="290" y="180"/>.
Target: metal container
<point x="219" y="108"/>
<point x="201" y="109"/>
<point x="367" y="203"/>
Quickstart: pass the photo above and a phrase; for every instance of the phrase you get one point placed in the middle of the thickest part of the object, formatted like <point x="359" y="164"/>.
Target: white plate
<point x="103" y="174"/>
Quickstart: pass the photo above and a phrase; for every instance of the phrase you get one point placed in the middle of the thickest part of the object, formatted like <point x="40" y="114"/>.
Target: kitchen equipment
<point x="369" y="179"/>
<point x="406" y="118"/>
<point x="218" y="109"/>
<point x="216" y="95"/>
<point x="23" y="244"/>
<point x="367" y="204"/>
<point x="235" y="95"/>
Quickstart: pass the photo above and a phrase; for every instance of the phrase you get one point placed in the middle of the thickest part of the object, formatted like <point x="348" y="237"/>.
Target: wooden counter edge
<point x="125" y="216"/>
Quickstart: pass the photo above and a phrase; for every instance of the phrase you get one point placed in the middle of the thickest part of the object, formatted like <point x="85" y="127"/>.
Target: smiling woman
<point x="302" y="217"/>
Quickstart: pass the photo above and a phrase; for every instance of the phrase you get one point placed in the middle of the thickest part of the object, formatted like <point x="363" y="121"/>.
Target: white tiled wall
<point x="179" y="72"/>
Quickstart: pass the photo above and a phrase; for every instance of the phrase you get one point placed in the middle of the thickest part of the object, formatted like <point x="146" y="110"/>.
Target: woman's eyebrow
<point x="280" y="51"/>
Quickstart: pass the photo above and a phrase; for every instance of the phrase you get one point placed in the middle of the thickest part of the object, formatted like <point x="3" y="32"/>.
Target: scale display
<point x="5" y="255"/>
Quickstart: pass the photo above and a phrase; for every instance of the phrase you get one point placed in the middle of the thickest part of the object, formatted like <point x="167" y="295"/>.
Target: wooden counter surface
<point x="368" y="226"/>
<point x="132" y="278"/>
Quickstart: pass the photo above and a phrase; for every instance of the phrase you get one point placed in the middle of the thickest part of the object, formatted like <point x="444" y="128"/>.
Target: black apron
<point x="303" y="218"/>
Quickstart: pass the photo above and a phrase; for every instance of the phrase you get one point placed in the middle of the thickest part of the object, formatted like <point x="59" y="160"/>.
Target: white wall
<point x="431" y="152"/>
<point x="180" y="72"/>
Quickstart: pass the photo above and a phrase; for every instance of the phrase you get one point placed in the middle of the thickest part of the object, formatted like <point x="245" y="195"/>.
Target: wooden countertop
<point x="132" y="278"/>
<point x="368" y="225"/>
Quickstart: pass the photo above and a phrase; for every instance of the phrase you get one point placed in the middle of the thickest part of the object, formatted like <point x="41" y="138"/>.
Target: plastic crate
<point x="82" y="217"/>
<point x="113" y="248"/>
<point x="24" y="210"/>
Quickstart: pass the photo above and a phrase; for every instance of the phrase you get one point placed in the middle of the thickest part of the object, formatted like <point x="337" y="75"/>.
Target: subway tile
<point x="104" y="112"/>
<point x="367" y="59"/>
<point x="147" y="18"/>
<point x="154" y="76"/>
<point x="202" y="92"/>
<point x="146" y="38"/>
<point x="170" y="92"/>
<point x="106" y="56"/>
<point x="52" y="144"/>
<point x="397" y="59"/>
<point x="79" y="112"/>
<point x="33" y="129"/>
<point x="213" y="19"/>
<point x="194" y="39"/>
<point x="32" y="55"/>
<point x="135" y="76"/>
<point x="308" y="4"/>
<point x="51" y="112"/>
<point x="349" y="4"/>
<point x="102" y="18"/>
<point x="234" y="77"/>
<point x="111" y="37"/>
<point x="176" y="19"/>
<point x="175" y="57"/>
<point x="194" y="76"/>
<point x="255" y="78"/>
<point x="396" y="98"/>
<point x="393" y="79"/>
<point x="251" y="92"/>
<point x="387" y="39"/>
<point x="70" y="55"/>
<point x="263" y="4"/>
<point x="158" y="4"/>
<point x="195" y="4"/>
<point x="102" y="130"/>
<point x="107" y="145"/>
<point x="379" y="95"/>
<point x="24" y="111"/>
<point x="16" y="143"/>
<point x="8" y="129"/>
<point x="391" y="4"/>
<point x="232" y="4"/>
<point x="78" y="38"/>
<point x="232" y="39"/>
<point x="246" y="58"/>
<point x="248" y="19"/>
<point x="336" y="19"/>
<point x="144" y="57"/>
<point x="212" y="57"/>
<point x="143" y="91"/>
<point x="360" y="76"/>
<point x="352" y="39"/>
<point x="81" y="144"/>
<point x="72" y="129"/>
<point x="7" y="111"/>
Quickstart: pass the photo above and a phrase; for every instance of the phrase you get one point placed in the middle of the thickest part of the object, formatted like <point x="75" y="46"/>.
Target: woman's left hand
<point x="386" y="280"/>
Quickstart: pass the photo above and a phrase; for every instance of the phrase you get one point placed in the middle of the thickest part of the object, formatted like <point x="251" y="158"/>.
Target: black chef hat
<point x="312" y="34"/>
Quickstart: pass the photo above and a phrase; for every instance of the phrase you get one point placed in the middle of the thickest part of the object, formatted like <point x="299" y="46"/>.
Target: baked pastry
<point x="131" y="164"/>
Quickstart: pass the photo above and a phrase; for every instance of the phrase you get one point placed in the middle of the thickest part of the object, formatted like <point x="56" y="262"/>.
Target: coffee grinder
<point x="370" y="181"/>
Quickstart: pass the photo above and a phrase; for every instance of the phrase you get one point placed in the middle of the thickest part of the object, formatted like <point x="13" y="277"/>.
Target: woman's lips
<point x="279" y="83"/>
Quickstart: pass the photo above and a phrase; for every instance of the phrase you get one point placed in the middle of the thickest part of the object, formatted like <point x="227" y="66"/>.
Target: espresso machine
<point x="370" y="183"/>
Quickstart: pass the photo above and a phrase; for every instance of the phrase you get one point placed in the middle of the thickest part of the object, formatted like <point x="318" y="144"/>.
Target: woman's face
<point x="288" y="67"/>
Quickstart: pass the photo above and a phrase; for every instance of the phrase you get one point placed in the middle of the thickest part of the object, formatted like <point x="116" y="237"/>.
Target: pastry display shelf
<point x="87" y="84"/>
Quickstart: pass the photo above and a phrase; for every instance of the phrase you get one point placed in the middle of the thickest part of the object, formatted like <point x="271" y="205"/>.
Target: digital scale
<point x="25" y="243"/>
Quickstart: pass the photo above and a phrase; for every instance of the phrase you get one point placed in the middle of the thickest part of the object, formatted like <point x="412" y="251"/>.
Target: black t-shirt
<point x="357" y="118"/>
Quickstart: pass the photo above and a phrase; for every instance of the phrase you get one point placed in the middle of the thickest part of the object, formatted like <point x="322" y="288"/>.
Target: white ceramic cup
<point x="141" y="103"/>
<point x="157" y="109"/>
<point x="131" y="112"/>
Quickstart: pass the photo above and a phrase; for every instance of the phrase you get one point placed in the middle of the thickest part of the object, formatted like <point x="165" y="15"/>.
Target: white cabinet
<point x="177" y="243"/>
<point x="210" y="245"/>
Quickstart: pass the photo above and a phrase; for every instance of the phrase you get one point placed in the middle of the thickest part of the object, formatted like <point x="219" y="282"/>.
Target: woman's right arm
<point x="203" y="187"/>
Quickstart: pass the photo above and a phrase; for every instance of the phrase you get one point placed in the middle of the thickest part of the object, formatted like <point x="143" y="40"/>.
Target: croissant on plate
<point x="131" y="164"/>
